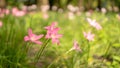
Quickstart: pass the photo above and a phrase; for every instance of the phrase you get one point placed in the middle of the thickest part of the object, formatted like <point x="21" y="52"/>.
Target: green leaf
<point x="116" y="45"/>
<point x="116" y="58"/>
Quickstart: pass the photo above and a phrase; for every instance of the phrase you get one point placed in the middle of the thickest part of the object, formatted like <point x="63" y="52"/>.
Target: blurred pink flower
<point x="1" y="24"/>
<point x="72" y="8"/>
<point x="54" y="8"/>
<point x="24" y="8"/>
<point x="1" y="15"/>
<point x="45" y="16"/>
<point x="20" y="13"/>
<point x="55" y="38"/>
<point x="94" y="24"/>
<point x="88" y="14"/>
<point x="14" y="10"/>
<point x="7" y="11"/>
<point x="3" y="12"/>
<point x="52" y="28"/>
<point x="17" y="12"/>
<point x="89" y="36"/>
<point x="32" y="37"/>
<point x="45" y="8"/>
<point x="71" y="15"/>
<point x="103" y="10"/>
<point x="52" y="33"/>
<point x="60" y="10"/>
<point x="76" y="46"/>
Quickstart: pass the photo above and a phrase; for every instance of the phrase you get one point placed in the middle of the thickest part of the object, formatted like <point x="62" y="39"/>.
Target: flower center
<point x="32" y="38"/>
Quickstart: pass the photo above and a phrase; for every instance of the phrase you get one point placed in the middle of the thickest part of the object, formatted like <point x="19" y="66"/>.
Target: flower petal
<point x="26" y="38"/>
<point x="30" y="33"/>
<point x="38" y="37"/>
<point x="37" y="42"/>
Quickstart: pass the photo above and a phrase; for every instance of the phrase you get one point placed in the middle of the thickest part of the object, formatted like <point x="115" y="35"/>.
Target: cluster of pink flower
<point x="52" y="33"/>
<point x="89" y="36"/>
<point x="17" y="12"/>
<point x="3" y="12"/>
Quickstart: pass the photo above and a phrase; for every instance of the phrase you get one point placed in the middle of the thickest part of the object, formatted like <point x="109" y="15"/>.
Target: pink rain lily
<point x="52" y="28"/>
<point x="32" y="37"/>
<point x="94" y="24"/>
<point x="1" y="24"/>
<point x="55" y="38"/>
<point x="52" y="33"/>
<point x="89" y="36"/>
<point x="76" y="46"/>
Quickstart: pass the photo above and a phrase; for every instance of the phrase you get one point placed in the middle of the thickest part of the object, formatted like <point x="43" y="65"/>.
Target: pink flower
<point x="52" y="28"/>
<point x="94" y="24"/>
<point x="32" y="37"/>
<point x="14" y="10"/>
<point x="45" y="8"/>
<point x="1" y="24"/>
<point x="55" y="38"/>
<point x="7" y="11"/>
<point x="103" y="10"/>
<point x="76" y="46"/>
<point x="52" y="33"/>
<point x="17" y="12"/>
<point x="89" y="36"/>
<point x="45" y="16"/>
<point x="20" y="13"/>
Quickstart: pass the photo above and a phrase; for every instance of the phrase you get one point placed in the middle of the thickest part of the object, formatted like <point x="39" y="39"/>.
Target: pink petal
<point x="26" y="38"/>
<point x="38" y="37"/>
<point x="55" y="41"/>
<point x="55" y="30"/>
<point x="1" y="24"/>
<point x="84" y="34"/>
<point x="37" y="42"/>
<point x="54" y="24"/>
<point x="47" y="27"/>
<point x="30" y="33"/>
<point x="48" y="36"/>
<point x="76" y="45"/>
<point x="59" y="35"/>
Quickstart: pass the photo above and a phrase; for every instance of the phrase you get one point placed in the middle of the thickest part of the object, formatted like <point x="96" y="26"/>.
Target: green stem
<point x="106" y="52"/>
<point x="41" y="50"/>
<point x="59" y="58"/>
<point x="29" y="45"/>
<point x="88" y="54"/>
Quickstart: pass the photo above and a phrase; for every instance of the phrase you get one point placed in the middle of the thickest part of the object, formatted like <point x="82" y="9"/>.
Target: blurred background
<point x="81" y="5"/>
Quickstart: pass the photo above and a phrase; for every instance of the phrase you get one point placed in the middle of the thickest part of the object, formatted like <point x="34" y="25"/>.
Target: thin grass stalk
<point x="41" y="50"/>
